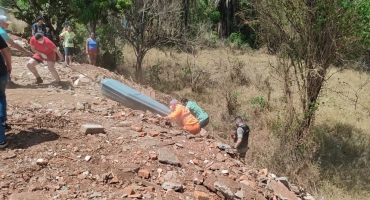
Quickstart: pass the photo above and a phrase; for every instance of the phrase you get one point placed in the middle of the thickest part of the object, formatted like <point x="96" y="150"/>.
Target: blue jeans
<point x="3" y="82"/>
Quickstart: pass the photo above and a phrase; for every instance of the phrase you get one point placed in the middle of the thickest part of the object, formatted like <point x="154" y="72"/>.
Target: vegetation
<point x="281" y="64"/>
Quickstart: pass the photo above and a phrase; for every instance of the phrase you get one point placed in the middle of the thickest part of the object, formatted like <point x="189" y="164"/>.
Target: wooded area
<point x="306" y="36"/>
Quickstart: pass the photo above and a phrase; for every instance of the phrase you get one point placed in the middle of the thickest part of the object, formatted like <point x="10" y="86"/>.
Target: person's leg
<point x="70" y="59"/>
<point x="90" y="56"/>
<point x="95" y="55"/>
<point x="31" y="66"/>
<point x="53" y="71"/>
<point x="3" y="82"/>
<point x="204" y="123"/>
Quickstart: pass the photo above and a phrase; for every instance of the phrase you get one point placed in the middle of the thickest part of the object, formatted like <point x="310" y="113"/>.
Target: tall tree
<point x="91" y="11"/>
<point x="149" y="24"/>
<point x="309" y="36"/>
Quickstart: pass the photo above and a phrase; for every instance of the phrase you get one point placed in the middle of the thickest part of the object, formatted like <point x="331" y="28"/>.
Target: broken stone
<point x="114" y="180"/>
<point x="143" y="173"/>
<point x="226" y="187"/>
<point x="282" y="191"/>
<point x="137" y="195"/>
<point x="225" y="172"/>
<point x="128" y="190"/>
<point x="198" y="179"/>
<point x="137" y="128"/>
<point x="92" y="128"/>
<point x="223" y="146"/>
<point x="198" y="195"/>
<point x="87" y="158"/>
<point x="41" y="162"/>
<point x="80" y="106"/>
<point x="172" y="186"/>
<point x="209" y="182"/>
<point x="9" y="155"/>
<point x="95" y="195"/>
<point x="141" y="134"/>
<point x="166" y="156"/>
<point x="153" y="133"/>
<point x="284" y="180"/>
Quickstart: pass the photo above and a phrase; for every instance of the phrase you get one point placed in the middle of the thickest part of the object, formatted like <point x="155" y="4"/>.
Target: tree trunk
<point x="314" y="85"/>
<point x="138" y="67"/>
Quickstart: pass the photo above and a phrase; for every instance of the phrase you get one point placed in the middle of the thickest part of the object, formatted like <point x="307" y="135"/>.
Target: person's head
<point x="238" y="120"/>
<point x="173" y="104"/>
<point x="39" y="38"/>
<point x="48" y="27"/>
<point x="40" y="20"/>
<point x="66" y="23"/>
<point x="69" y="28"/>
<point x="184" y="101"/>
<point x="92" y="35"/>
<point x="4" y="22"/>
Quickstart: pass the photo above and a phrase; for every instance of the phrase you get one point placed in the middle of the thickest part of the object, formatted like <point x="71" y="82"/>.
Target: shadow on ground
<point x="65" y="86"/>
<point x="343" y="156"/>
<point x="29" y="138"/>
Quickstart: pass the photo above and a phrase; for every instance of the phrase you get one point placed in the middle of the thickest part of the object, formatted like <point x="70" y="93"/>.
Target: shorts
<point x="51" y="57"/>
<point x="93" y="51"/>
<point x="204" y="123"/>
<point x="68" y="51"/>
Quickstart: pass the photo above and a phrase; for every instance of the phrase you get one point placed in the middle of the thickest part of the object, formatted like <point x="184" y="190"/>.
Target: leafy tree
<point x="91" y="11"/>
<point x="308" y="37"/>
<point x="149" y="24"/>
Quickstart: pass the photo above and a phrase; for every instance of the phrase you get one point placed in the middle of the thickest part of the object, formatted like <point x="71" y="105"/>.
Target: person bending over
<point x="44" y="49"/>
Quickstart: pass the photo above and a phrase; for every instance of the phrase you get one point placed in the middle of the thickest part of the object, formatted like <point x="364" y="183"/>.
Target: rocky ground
<point x="52" y="154"/>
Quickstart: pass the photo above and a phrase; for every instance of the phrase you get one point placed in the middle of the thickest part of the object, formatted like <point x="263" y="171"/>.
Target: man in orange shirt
<point x="182" y="114"/>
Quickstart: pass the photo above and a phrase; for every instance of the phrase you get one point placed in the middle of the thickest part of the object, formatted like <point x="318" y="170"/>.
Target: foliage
<point x="149" y="24"/>
<point x="87" y="11"/>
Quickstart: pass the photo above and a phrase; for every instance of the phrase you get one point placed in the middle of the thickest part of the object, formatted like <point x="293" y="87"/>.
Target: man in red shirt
<point x="44" y="49"/>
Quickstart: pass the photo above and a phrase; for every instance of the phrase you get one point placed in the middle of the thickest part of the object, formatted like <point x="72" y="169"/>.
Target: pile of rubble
<point x="73" y="143"/>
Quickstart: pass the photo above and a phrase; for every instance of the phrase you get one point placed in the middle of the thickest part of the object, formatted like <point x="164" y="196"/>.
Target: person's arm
<point x="33" y="29"/>
<point x="34" y="50"/>
<point x="59" y="54"/>
<point x="87" y="46"/>
<point x="174" y="114"/>
<point x="8" y="58"/>
<point x="239" y="132"/>
<point x="17" y="46"/>
<point x="62" y="35"/>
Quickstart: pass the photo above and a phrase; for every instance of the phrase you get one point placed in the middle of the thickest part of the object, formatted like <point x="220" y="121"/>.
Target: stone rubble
<point x="122" y="153"/>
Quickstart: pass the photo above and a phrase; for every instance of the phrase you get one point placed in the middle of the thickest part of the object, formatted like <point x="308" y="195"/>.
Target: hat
<point x="174" y="102"/>
<point x="66" y="23"/>
<point x="39" y="18"/>
<point x="4" y="19"/>
<point x="38" y="36"/>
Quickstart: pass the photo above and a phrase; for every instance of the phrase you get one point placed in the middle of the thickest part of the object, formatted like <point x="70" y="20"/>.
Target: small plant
<point x="260" y="101"/>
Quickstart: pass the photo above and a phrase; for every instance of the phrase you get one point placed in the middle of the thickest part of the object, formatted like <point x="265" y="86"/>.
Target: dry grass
<point x="17" y="26"/>
<point x="338" y="169"/>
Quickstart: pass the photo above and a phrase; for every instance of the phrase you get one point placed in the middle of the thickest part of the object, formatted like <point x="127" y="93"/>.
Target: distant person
<point x="68" y="36"/>
<point x="44" y="49"/>
<point x="92" y="49"/>
<point x="65" y="25"/>
<point x="5" y="70"/>
<point x="240" y="137"/>
<point x="39" y="26"/>
<point x="49" y="32"/>
<point x="198" y="112"/>
<point x="4" y="23"/>
<point x="181" y="114"/>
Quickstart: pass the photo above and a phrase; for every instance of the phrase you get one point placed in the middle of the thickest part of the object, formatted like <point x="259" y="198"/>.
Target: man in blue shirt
<point x="39" y="26"/>
<point x="5" y="70"/>
<point x="4" y="23"/>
